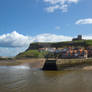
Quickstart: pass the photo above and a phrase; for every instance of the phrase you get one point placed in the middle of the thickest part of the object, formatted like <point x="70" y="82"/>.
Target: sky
<point x="25" y="21"/>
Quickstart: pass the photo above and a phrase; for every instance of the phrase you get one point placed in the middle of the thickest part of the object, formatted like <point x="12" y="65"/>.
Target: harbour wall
<point x="61" y="64"/>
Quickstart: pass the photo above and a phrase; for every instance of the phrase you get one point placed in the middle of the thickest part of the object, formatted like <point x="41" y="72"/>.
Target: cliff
<point x="81" y="43"/>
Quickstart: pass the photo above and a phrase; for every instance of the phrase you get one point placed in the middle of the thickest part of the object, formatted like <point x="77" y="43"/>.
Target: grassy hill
<point x="32" y="51"/>
<point x="81" y="43"/>
<point x="32" y="54"/>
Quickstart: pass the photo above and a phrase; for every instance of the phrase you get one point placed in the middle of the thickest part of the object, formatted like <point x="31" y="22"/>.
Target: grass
<point x="30" y="54"/>
<point x="88" y="42"/>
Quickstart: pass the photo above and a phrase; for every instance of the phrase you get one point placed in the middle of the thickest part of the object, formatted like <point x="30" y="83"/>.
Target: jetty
<point x="61" y="64"/>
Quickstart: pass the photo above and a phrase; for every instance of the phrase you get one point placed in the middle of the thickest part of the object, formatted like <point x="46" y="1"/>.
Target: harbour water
<point x="27" y="79"/>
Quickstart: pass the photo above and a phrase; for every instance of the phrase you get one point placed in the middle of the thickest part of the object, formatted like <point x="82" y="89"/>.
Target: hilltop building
<point x="78" y="38"/>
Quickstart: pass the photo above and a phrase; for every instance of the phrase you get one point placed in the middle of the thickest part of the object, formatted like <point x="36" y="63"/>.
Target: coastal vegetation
<point x="32" y="54"/>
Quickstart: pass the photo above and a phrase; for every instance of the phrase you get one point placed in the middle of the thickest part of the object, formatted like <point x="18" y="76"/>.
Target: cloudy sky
<point x="25" y="21"/>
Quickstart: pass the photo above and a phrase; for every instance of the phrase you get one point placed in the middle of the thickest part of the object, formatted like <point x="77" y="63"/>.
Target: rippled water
<point x="26" y="79"/>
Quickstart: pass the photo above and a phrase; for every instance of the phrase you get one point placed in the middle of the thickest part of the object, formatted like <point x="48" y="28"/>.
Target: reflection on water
<point x="26" y="79"/>
<point x="15" y="67"/>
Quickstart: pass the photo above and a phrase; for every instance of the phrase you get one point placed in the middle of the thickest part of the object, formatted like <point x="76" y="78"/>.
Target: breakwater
<point x="62" y="64"/>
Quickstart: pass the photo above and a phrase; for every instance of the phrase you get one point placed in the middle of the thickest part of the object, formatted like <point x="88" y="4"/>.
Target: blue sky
<point x="26" y="21"/>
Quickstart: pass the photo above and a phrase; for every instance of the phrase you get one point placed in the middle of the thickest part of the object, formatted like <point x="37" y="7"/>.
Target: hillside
<point x="81" y="43"/>
<point x="32" y="51"/>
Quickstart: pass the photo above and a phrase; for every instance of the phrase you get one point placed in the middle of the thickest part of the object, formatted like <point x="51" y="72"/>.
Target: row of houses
<point x="68" y="52"/>
<point x="73" y="53"/>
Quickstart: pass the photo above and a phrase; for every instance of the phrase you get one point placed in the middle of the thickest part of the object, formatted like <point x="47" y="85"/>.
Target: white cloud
<point x="58" y="28"/>
<point x="59" y="5"/>
<point x="84" y="21"/>
<point x="51" y="38"/>
<point x="88" y="37"/>
<point x="52" y="8"/>
<point x="14" y="39"/>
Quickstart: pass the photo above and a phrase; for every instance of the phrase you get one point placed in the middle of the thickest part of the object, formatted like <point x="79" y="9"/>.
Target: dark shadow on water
<point x="50" y="65"/>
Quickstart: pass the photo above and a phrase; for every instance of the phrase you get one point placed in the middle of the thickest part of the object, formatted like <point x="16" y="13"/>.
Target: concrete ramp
<point x="50" y="65"/>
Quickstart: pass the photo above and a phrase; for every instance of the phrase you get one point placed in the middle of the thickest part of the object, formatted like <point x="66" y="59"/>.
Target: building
<point x="72" y="53"/>
<point x="78" y="38"/>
